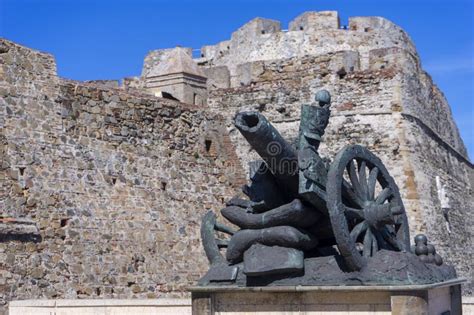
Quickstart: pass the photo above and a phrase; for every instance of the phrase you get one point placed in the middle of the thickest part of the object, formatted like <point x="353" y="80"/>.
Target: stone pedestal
<point x="438" y="298"/>
<point x="101" y="307"/>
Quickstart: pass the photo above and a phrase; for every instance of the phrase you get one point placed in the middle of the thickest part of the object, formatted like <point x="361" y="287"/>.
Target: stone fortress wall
<point x="95" y="167"/>
<point x="115" y="182"/>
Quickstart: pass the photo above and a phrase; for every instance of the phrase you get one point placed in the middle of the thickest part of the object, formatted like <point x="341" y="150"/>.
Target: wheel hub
<point x="378" y="215"/>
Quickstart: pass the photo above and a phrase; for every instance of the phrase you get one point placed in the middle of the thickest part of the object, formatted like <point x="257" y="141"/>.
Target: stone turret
<point x="172" y="73"/>
<point x="311" y="21"/>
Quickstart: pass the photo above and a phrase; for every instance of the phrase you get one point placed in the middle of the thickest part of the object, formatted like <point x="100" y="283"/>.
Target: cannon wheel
<point x="365" y="207"/>
<point x="211" y="243"/>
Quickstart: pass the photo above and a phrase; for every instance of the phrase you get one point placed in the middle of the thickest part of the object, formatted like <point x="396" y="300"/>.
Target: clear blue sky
<point x="109" y="39"/>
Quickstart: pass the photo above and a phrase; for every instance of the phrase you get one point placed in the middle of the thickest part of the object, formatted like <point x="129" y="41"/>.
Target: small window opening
<point x="64" y="222"/>
<point x="22" y="170"/>
<point x="366" y="29"/>
<point x="208" y="144"/>
<point x="168" y="96"/>
<point x="301" y="28"/>
<point x="114" y="180"/>
<point x="341" y="73"/>
<point x="163" y="186"/>
<point x="202" y="55"/>
<point x="263" y="31"/>
<point x="446" y="218"/>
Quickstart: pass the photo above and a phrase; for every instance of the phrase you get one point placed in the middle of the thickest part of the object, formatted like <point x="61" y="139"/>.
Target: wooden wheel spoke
<point x="367" y="243"/>
<point x="383" y="196"/>
<point x="375" y="246"/>
<point x="353" y="213"/>
<point x="350" y="194"/>
<point x="398" y="220"/>
<point x="372" y="182"/>
<point x="363" y="179"/>
<point x="223" y="228"/>
<point x="382" y="244"/>
<point x="359" y="228"/>
<point x="390" y="238"/>
<point x="351" y="169"/>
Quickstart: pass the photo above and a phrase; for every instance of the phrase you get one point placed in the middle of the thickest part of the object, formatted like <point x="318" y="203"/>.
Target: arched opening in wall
<point x="166" y="95"/>
<point x="341" y="73"/>
<point x="64" y="222"/>
<point x="210" y="149"/>
<point x="301" y="28"/>
<point x="446" y="219"/>
<point x="208" y="145"/>
<point x="263" y="32"/>
<point x="444" y="202"/>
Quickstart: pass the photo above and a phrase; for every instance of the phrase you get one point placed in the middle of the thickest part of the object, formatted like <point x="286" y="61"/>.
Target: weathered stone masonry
<point x="116" y="183"/>
<point x="116" y="180"/>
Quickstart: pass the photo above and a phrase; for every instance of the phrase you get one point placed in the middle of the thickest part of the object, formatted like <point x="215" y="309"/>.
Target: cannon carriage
<point x="304" y="204"/>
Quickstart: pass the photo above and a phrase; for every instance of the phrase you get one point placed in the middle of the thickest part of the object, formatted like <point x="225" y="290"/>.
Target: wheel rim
<point x="365" y="207"/>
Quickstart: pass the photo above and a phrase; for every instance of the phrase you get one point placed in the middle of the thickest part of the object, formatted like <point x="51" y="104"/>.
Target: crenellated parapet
<point x="310" y="34"/>
<point x="312" y="21"/>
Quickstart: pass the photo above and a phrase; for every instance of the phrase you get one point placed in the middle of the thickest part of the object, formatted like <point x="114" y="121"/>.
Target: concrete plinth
<point x="439" y="298"/>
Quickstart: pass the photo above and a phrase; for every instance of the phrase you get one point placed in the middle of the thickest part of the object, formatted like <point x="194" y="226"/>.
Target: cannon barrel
<point x="279" y="155"/>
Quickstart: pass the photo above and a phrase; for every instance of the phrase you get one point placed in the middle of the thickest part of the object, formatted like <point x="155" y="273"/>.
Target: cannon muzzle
<point x="279" y="155"/>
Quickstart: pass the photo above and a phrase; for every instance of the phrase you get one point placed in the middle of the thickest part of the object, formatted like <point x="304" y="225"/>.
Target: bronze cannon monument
<point x="307" y="220"/>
